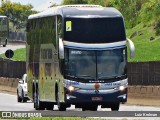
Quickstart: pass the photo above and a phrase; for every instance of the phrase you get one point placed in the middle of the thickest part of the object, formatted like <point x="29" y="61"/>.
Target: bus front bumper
<point x="115" y="97"/>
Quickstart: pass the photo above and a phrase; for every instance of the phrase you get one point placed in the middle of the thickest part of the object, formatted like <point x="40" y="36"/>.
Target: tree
<point x="67" y="2"/>
<point x="16" y="13"/>
<point x="150" y="14"/>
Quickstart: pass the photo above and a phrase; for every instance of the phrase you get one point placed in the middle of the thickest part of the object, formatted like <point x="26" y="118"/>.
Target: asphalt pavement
<point x="9" y="102"/>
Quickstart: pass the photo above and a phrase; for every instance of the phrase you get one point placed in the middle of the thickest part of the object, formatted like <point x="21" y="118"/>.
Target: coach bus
<point x="77" y="55"/>
<point x="4" y="30"/>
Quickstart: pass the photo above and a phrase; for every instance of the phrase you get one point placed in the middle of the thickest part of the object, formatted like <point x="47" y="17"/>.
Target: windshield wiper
<point x="71" y="76"/>
<point x="109" y="77"/>
<point x="106" y="77"/>
<point x="120" y="76"/>
<point x="86" y="76"/>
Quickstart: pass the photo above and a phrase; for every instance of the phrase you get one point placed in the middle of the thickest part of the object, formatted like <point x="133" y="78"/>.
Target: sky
<point x="38" y="5"/>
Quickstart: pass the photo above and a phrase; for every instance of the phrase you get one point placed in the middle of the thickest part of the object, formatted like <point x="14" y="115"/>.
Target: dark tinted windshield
<point x="95" y="65"/>
<point x="80" y="64"/>
<point x="94" y="30"/>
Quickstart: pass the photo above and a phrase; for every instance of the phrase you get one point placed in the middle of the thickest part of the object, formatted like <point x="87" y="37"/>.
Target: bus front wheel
<point x="115" y="107"/>
<point x="61" y="106"/>
<point x="37" y="103"/>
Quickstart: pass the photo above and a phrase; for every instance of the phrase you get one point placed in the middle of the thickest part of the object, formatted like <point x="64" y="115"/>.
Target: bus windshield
<point x="91" y="30"/>
<point x="94" y="64"/>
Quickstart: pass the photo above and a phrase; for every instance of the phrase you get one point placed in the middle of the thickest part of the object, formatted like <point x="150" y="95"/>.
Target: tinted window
<point x="94" y="30"/>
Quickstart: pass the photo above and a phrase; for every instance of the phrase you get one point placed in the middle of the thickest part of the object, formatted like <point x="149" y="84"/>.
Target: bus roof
<point x="79" y="11"/>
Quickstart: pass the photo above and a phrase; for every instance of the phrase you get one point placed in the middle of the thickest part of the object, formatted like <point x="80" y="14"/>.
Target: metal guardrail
<point x="144" y="73"/>
<point x="12" y="69"/>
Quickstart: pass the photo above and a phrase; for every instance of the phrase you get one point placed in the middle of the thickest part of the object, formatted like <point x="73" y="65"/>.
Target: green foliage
<point x="130" y="9"/>
<point x="97" y="2"/>
<point x="16" y="13"/>
<point x="66" y="2"/>
<point x="145" y="49"/>
<point x="150" y="14"/>
<point x="100" y="2"/>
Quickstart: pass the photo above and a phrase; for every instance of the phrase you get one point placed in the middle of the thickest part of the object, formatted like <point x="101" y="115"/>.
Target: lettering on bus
<point x="72" y="83"/>
<point x="112" y="84"/>
<point x="46" y="53"/>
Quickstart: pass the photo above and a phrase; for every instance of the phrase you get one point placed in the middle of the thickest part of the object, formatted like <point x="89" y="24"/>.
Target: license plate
<point x="96" y="98"/>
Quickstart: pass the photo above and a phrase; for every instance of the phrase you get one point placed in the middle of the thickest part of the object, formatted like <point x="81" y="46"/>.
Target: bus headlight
<point x="121" y="88"/>
<point x="71" y="88"/>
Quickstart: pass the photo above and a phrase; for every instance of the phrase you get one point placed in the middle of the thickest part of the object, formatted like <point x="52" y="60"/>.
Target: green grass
<point x="19" y="55"/>
<point x="145" y="49"/>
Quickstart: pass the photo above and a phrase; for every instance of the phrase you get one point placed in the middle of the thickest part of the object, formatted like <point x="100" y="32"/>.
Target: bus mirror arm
<point x="61" y="49"/>
<point x="132" y="48"/>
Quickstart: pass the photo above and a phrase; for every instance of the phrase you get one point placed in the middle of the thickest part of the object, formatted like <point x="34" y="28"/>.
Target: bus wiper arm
<point x="109" y="77"/>
<point x="120" y="76"/>
<point x="71" y="76"/>
<point x="106" y="77"/>
<point x="86" y="76"/>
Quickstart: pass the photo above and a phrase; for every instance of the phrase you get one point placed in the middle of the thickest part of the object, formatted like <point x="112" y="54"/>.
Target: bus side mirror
<point x="132" y="48"/>
<point x="61" y="49"/>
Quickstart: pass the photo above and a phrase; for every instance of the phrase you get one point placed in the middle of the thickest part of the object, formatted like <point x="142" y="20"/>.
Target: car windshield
<point x="94" y="64"/>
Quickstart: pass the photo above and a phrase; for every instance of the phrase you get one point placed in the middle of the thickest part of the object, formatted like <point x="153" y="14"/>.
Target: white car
<point x="22" y="89"/>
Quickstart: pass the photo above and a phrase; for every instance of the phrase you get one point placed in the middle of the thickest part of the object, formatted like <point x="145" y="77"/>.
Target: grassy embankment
<point x="146" y="49"/>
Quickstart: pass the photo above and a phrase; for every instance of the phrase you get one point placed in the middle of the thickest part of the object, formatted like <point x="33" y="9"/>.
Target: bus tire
<point x="37" y="103"/>
<point x="18" y="98"/>
<point x="61" y="106"/>
<point x="115" y="107"/>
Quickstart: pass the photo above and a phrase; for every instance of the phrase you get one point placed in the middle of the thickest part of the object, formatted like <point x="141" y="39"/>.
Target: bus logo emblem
<point x="97" y="85"/>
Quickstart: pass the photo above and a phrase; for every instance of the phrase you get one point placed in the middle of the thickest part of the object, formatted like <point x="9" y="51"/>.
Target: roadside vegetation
<point x="17" y="14"/>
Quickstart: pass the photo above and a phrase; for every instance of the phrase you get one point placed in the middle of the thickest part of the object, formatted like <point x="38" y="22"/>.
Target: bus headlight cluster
<point x="71" y="88"/>
<point x="121" y="88"/>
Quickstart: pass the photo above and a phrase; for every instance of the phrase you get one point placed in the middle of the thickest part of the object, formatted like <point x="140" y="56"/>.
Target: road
<point x="12" y="46"/>
<point x="9" y="102"/>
